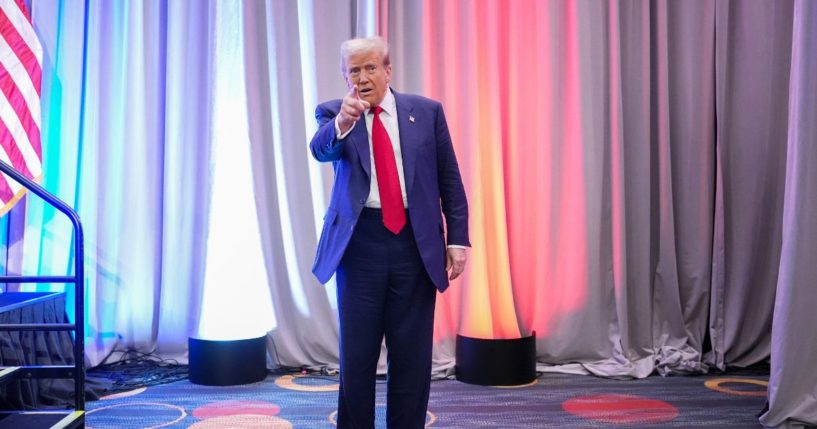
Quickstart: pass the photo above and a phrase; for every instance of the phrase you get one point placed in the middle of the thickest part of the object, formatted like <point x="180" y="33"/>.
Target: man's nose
<point x="363" y="79"/>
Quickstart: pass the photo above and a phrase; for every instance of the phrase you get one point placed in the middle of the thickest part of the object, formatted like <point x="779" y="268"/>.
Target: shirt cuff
<point x="338" y="135"/>
<point x="456" y="246"/>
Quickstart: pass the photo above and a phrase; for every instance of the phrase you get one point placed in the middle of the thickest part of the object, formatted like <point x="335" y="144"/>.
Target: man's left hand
<point x="455" y="262"/>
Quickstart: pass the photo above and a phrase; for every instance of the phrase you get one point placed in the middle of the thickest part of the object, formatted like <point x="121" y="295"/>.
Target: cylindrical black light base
<point x="227" y="363"/>
<point x="489" y="362"/>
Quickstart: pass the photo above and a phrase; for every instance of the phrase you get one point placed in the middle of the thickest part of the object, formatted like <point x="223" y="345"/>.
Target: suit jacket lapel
<point x="408" y="139"/>
<point x="360" y="138"/>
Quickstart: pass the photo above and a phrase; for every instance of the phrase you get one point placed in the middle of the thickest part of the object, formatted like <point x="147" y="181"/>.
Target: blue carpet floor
<point x="552" y="401"/>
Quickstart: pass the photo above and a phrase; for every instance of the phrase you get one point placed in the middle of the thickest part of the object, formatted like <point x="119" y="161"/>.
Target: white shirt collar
<point x="388" y="104"/>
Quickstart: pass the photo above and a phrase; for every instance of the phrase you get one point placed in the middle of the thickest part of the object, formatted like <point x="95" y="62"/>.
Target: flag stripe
<point x="21" y="6"/>
<point x="17" y="72"/>
<point x="16" y="158"/>
<point x="19" y="17"/>
<point x="21" y="57"/>
<point x="17" y="102"/>
<point x="20" y="47"/>
<point x="19" y="136"/>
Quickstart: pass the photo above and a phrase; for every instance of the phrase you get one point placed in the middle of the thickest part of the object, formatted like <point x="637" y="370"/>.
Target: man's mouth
<point x="365" y="91"/>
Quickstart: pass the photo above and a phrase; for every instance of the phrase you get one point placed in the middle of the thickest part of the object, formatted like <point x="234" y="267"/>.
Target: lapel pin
<point x="411" y="119"/>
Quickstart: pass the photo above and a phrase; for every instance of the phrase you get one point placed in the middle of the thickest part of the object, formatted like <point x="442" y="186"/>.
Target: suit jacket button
<point x="362" y="201"/>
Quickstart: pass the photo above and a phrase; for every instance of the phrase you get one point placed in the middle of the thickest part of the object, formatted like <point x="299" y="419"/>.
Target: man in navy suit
<point x="396" y="175"/>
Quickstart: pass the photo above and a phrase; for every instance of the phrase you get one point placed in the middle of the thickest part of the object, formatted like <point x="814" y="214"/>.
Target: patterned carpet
<point x="552" y="401"/>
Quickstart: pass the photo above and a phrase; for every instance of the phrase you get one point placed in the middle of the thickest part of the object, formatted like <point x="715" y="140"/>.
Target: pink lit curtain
<point x="627" y="168"/>
<point x="626" y="174"/>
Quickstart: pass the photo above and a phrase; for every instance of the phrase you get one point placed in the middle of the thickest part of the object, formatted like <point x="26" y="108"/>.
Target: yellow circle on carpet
<point x="716" y="385"/>
<point x="288" y="382"/>
<point x="532" y="383"/>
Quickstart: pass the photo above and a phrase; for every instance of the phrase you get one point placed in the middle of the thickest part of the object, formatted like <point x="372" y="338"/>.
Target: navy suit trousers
<point x="384" y="290"/>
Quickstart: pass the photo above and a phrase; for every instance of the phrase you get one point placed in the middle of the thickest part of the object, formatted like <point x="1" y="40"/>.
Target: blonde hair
<point x="363" y="45"/>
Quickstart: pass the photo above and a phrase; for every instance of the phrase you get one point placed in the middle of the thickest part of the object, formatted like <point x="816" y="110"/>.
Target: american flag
<point x="21" y="58"/>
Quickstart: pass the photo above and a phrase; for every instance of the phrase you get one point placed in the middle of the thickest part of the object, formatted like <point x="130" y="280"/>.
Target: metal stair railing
<point x="77" y="371"/>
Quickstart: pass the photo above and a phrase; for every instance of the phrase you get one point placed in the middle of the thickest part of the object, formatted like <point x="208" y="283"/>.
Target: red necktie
<point x="391" y="197"/>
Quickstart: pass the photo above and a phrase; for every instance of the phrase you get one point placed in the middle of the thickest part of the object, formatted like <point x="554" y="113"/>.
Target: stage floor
<point x="730" y="400"/>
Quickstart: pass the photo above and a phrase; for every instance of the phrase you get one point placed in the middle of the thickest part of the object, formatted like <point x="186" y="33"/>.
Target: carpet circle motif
<point x="245" y="421"/>
<point x="614" y="408"/>
<point x="120" y="418"/>
<point x="297" y="382"/>
<point x="380" y="416"/>
<point x="127" y="394"/>
<point x="717" y="384"/>
<point x="232" y="408"/>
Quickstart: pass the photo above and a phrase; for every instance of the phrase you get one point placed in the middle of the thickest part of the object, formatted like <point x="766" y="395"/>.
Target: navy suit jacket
<point x="432" y="178"/>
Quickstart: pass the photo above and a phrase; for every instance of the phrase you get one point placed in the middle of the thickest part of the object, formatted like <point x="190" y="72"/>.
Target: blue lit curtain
<point x="149" y="114"/>
<point x="136" y="103"/>
<point x="127" y="98"/>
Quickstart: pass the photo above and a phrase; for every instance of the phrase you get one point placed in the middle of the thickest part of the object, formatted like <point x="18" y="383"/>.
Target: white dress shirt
<point x="389" y="119"/>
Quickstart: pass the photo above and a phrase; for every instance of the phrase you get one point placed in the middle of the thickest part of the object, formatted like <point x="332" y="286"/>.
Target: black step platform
<point x="67" y="419"/>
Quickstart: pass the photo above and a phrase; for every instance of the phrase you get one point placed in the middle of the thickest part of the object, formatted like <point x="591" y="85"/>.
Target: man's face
<point x="367" y="72"/>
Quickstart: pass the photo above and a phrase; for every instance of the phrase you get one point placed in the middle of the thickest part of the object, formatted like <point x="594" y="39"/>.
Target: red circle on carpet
<point x="611" y="408"/>
<point x="232" y="408"/>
